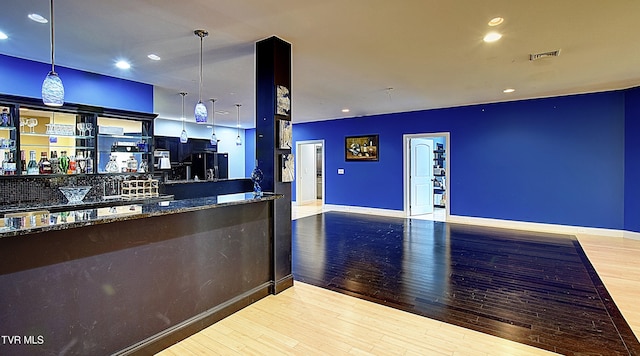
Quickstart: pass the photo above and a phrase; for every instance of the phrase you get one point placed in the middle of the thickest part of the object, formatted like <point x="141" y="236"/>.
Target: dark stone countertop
<point x="44" y="221"/>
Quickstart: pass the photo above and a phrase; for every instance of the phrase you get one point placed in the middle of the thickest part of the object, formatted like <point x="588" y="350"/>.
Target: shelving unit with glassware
<point x="7" y="140"/>
<point x="124" y="146"/>
<point x="89" y="135"/>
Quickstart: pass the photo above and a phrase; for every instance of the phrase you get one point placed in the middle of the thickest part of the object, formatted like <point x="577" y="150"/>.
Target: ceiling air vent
<point x="533" y="57"/>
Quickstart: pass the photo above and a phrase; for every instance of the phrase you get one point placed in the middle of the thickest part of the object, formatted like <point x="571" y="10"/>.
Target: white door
<point x="307" y="173"/>
<point x="421" y="178"/>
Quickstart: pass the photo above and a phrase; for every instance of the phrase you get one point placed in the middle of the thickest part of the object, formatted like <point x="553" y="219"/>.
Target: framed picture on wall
<point x="286" y="167"/>
<point x="285" y="134"/>
<point x="361" y="148"/>
<point x="283" y="100"/>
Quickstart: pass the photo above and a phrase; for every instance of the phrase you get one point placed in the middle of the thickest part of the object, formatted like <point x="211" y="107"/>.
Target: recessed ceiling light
<point x="222" y="112"/>
<point x="123" y="64"/>
<point x="345" y="110"/>
<point x="492" y="37"/>
<point x="509" y="90"/>
<point x="154" y="57"/>
<point x="3" y="36"/>
<point x="37" y="18"/>
<point x="496" y="21"/>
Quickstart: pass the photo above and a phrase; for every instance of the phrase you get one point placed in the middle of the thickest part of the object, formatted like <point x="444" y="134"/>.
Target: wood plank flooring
<point x="544" y="292"/>
<point x="536" y="289"/>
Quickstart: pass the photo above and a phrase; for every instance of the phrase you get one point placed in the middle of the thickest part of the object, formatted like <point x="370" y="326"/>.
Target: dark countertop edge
<point x="194" y="204"/>
<point x="175" y="182"/>
<point x="89" y="204"/>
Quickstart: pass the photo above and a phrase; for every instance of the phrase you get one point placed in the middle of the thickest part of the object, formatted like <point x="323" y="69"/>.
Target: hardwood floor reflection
<point x="536" y="289"/>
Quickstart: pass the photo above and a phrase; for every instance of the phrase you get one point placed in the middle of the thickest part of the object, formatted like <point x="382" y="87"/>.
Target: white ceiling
<point x="346" y="54"/>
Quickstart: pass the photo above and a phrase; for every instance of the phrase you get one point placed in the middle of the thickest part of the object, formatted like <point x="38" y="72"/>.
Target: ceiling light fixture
<point x="183" y="135"/>
<point x="345" y="110"/>
<point x="37" y="18"/>
<point x="238" y="139"/>
<point x="52" y="88"/>
<point x="122" y="64"/>
<point x="508" y="90"/>
<point x="214" y="139"/>
<point x="492" y="37"/>
<point x="496" y="21"/>
<point x="3" y="36"/>
<point x="201" y="109"/>
<point x="154" y="57"/>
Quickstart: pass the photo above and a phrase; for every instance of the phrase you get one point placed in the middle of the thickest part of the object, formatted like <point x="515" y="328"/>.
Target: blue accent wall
<point x="250" y="151"/>
<point x="23" y="77"/>
<point x="632" y="161"/>
<point x="556" y="160"/>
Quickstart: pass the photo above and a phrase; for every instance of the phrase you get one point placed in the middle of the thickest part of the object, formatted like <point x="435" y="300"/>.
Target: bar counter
<point x="39" y="220"/>
<point x="134" y="281"/>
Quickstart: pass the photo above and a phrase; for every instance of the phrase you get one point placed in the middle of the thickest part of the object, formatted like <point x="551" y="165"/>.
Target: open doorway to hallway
<point x="309" y="177"/>
<point x="426" y="175"/>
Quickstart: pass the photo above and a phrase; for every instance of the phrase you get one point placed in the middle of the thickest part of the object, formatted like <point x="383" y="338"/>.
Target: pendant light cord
<point x="183" y="95"/>
<point x="200" y="90"/>
<point x="213" y="120"/>
<point x="52" y="38"/>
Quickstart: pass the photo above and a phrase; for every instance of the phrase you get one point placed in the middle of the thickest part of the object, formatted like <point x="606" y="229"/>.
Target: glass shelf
<point x="52" y="135"/>
<point x="52" y="146"/>
<point x="10" y="128"/>
<point x="131" y="137"/>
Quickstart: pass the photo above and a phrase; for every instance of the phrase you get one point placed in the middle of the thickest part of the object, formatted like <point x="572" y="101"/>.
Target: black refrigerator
<point x="209" y="165"/>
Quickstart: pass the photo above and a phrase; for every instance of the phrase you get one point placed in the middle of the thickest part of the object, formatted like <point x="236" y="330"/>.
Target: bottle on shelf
<point x="44" y="166"/>
<point x="23" y="162"/>
<point x="89" y="163"/>
<point x="144" y="166"/>
<point x="81" y="164"/>
<point x="55" y="168"/>
<point x="5" y="161"/>
<point x="132" y="164"/>
<point x="72" y="165"/>
<point x="112" y="165"/>
<point x="32" y="166"/>
<point x="11" y="166"/>
<point x="63" y="162"/>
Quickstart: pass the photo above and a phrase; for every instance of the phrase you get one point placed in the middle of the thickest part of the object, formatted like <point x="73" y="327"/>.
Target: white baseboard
<point x="540" y="227"/>
<point x="632" y="235"/>
<point x="505" y="224"/>
<point x="364" y="210"/>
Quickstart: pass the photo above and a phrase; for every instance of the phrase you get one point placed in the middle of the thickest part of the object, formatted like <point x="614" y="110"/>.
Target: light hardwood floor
<point x="307" y="320"/>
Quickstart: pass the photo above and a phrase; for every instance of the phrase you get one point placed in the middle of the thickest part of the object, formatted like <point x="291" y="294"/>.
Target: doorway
<point x="310" y="173"/>
<point x="426" y="175"/>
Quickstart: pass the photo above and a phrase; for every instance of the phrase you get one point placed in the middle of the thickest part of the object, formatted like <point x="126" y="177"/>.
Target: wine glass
<point x="32" y="123"/>
<point x="89" y="128"/>
<point x="23" y="123"/>
<point x="81" y="128"/>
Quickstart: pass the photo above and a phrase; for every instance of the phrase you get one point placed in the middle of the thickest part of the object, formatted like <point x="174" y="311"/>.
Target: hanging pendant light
<point x="52" y="88"/>
<point x="201" y="109"/>
<point x="183" y="136"/>
<point x="238" y="139"/>
<point x="214" y="139"/>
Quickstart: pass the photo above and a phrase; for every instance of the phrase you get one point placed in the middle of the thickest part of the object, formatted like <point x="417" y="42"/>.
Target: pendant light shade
<point x="238" y="139"/>
<point x="52" y="88"/>
<point x="214" y="139"/>
<point x="201" y="109"/>
<point x="183" y="135"/>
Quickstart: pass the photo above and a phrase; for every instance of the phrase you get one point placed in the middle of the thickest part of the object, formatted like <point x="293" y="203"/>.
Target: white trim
<point x="365" y="210"/>
<point x="504" y="224"/>
<point x="631" y="235"/>
<point x="406" y="169"/>
<point x="324" y="172"/>
<point x="539" y="227"/>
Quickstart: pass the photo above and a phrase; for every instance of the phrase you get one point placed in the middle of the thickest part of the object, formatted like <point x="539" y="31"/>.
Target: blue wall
<point x="558" y="160"/>
<point x="22" y="77"/>
<point x="632" y="161"/>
